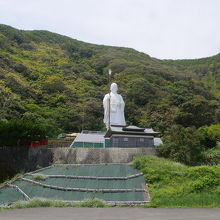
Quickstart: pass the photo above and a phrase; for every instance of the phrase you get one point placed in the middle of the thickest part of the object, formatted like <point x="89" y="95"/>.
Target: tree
<point x="10" y="103"/>
<point x="141" y="91"/>
<point x="54" y="84"/>
<point x="183" y="145"/>
<point x="14" y="131"/>
<point x="197" y="112"/>
<point x="210" y="135"/>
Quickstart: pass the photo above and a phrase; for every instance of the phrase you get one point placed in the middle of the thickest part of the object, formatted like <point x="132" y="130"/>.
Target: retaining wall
<point x="99" y="155"/>
<point x="15" y="160"/>
<point x="18" y="159"/>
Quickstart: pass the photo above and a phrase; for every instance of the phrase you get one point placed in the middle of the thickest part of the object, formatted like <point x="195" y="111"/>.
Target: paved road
<point x="110" y="214"/>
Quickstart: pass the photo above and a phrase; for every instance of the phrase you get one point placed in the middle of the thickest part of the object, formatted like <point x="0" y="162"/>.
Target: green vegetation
<point x="192" y="146"/>
<point x="93" y="203"/>
<point x="59" y="83"/>
<point x="11" y="180"/>
<point x="39" y="177"/>
<point x="173" y="184"/>
<point x="36" y="203"/>
<point x="19" y="132"/>
<point x="56" y="84"/>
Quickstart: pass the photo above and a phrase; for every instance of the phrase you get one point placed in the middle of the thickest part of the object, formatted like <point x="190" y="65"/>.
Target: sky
<point x="165" y="29"/>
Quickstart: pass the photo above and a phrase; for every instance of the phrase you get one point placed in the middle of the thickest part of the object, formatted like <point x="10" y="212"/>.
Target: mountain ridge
<point x="71" y="38"/>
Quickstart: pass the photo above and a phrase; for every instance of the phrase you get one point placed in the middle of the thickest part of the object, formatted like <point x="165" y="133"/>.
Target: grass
<point x="38" y="202"/>
<point x="39" y="177"/>
<point x="9" y="181"/>
<point x="173" y="184"/>
<point x="195" y="200"/>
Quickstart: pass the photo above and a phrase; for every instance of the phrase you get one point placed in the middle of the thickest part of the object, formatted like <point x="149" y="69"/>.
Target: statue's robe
<point x="116" y="109"/>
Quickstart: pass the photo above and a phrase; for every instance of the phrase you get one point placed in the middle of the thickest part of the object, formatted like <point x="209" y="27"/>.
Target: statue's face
<point x="114" y="87"/>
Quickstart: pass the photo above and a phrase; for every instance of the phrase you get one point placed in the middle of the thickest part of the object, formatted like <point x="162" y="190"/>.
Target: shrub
<point x="211" y="156"/>
<point x="39" y="177"/>
<point x="204" y="183"/>
<point x="201" y="171"/>
<point x="172" y="184"/>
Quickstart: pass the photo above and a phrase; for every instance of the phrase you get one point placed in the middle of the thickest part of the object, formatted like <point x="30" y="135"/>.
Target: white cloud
<point x="160" y="28"/>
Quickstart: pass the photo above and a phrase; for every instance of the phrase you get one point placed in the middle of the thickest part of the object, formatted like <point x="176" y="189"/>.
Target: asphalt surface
<point x="109" y="214"/>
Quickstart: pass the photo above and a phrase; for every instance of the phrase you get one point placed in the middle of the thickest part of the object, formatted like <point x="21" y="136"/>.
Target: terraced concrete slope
<point x="114" y="183"/>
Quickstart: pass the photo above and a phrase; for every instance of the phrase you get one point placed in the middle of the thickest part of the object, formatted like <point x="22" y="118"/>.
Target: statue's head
<point x="114" y="87"/>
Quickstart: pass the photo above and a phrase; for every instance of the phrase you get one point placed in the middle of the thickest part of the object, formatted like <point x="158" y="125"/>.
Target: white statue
<point x="116" y="107"/>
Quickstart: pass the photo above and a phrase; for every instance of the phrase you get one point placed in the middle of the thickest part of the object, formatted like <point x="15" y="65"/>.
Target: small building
<point x="118" y="137"/>
<point x="131" y="136"/>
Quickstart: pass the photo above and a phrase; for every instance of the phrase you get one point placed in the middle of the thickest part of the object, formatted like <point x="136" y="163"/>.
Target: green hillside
<point x="59" y="83"/>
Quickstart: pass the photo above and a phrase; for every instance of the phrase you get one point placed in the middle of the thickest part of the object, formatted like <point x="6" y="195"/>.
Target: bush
<point x="211" y="157"/>
<point x="203" y="177"/>
<point x="201" y="171"/>
<point x="172" y="184"/>
<point x="39" y="177"/>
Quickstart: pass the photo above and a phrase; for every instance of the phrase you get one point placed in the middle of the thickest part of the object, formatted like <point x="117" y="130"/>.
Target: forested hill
<point x="59" y="83"/>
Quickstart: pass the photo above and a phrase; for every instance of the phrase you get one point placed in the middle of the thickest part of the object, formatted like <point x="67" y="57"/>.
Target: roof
<point x="92" y="132"/>
<point x="112" y="183"/>
<point x="90" y="138"/>
<point x="132" y="130"/>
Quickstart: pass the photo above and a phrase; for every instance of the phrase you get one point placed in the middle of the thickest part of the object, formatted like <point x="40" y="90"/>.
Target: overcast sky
<point x="167" y="29"/>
